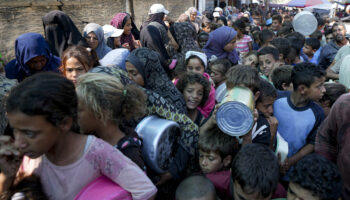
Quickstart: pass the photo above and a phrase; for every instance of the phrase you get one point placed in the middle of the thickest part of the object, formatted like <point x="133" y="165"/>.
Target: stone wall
<point x="21" y="16"/>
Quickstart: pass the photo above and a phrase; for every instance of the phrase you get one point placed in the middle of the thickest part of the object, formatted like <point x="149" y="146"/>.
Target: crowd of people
<point x="70" y="103"/>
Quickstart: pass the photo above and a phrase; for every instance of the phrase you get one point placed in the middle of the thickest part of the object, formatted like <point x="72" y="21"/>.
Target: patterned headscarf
<point x="119" y="21"/>
<point x="5" y="87"/>
<point x="102" y="48"/>
<point x="148" y="65"/>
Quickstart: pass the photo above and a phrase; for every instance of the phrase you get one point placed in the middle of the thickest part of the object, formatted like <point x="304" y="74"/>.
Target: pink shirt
<point x="99" y="158"/>
<point x="242" y="45"/>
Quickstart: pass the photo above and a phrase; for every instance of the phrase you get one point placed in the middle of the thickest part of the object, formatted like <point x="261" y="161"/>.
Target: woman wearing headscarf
<point x="156" y="14"/>
<point x="116" y="57"/>
<point x="124" y="21"/>
<point x="61" y="32"/>
<point x="186" y="157"/>
<point x="32" y="55"/>
<point x="94" y="36"/>
<point x="183" y="38"/>
<point x="143" y="67"/>
<point x="221" y="44"/>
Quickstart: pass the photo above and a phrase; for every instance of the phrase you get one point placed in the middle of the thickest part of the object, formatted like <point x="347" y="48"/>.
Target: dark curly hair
<point x="192" y="78"/>
<point x="318" y="175"/>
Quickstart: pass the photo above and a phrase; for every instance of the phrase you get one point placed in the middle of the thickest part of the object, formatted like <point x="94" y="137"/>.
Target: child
<point x="42" y="111"/>
<point x="195" y="188"/>
<point x="244" y="41"/>
<point x="202" y="39"/>
<point x="281" y="77"/>
<point x="333" y="92"/>
<point x="265" y="37"/>
<point x="197" y="62"/>
<point x="218" y="70"/>
<point x="268" y="59"/>
<point x="195" y="89"/>
<point x="314" y="177"/>
<point x="276" y="23"/>
<point x="283" y="46"/>
<point x="103" y="103"/>
<point x="310" y="47"/>
<point x="216" y="150"/>
<point x="251" y="59"/>
<point x="298" y="115"/>
<point x="254" y="173"/>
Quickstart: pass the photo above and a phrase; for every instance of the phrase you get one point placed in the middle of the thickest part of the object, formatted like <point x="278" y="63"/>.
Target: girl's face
<point x="193" y="95"/>
<point x="127" y="27"/>
<point x="87" y="121"/>
<point x="195" y="65"/>
<point x="251" y="60"/>
<point x="74" y="69"/>
<point x="134" y="74"/>
<point x="229" y="47"/>
<point x="34" y="135"/>
<point x="92" y="40"/>
<point x="216" y="74"/>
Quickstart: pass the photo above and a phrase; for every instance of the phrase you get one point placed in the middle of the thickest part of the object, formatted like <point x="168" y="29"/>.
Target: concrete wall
<point x="21" y="16"/>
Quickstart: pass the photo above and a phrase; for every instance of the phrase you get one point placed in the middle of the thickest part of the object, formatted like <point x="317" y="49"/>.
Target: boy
<point x="297" y="114"/>
<point x="314" y="177"/>
<point x="283" y="46"/>
<point x="310" y="48"/>
<point x="281" y="77"/>
<point x="195" y="188"/>
<point x="216" y="150"/>
<point x="268" y="58"/>
<point x="265" y="37"/>
<point x="276" y="23"/>
<point x="254" y="173"/>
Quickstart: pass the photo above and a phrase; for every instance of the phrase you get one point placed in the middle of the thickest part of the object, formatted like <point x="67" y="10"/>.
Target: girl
<point x="32" y="55"/>
<point x="197" y="62"/>
<point x="221" y="44"/>
<point x="244" y="41"/>
<point x="124" y="21"/>
<point x="94" y="36"/>
<point x="103" y="103"/>
<point x="77" y="60"/>
<point x="42" y="111"/>
<point x="251" y="59"/>
<point x="218" y="70"/>
<point x="61" y="32"/>
<point x="195" y="89"/>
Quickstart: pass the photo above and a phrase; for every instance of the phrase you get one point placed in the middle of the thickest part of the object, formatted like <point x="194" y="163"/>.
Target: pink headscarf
<point x="118" y="21"/>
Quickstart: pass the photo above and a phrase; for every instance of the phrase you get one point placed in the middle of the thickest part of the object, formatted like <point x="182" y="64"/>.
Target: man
<point x="330" y="50"/>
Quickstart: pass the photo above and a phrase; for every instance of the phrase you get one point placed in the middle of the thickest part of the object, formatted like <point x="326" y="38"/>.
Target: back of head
<point x="243" y="75"/>
<point x="317" y="34"/>
<point x="195" y="187"/>
<point x="255" y="169"/>
<point x="313" y="42"/>
<point x="281" y="75"/>
<point x="269" y="50"/>
<point x="296" y="40"/>
<point x="305" y="74"/>
<point x="283" y="45"/>
<point x="333" y="92"/>
<point x="318" y="175"/>
<point x="224" y="64"/>
<point x="266" y="89"/>
<point x="265" y="35"/>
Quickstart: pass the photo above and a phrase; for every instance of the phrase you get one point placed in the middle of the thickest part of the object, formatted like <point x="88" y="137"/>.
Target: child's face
<point x="297" y="192"/>
<point x="316" y="90"/>
<point x="240" y="194"/>
<point x="87" y="121"/>
<point x="117" y="42"/>
<point x="74" y="69"/>
<point x="251" y="60"/>
<point x="216" y="74"/>
<point x="266" y="106"/>
<point x="275" y="25"/>
<point x="193" y="95"/>
<point x="266" y="63"/>
<point x="202" y="40"/>
<point x="210" y="162"/>
<point x="195" y="65"/>
<point x="34" y="135"/>
<point x="307" y="49"/>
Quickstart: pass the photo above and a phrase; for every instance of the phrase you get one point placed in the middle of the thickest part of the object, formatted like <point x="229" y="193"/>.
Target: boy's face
<point x="316" y="90"/>
<point x="266" y="63"/>
<point x="257" y="19"/>
<point x="266" y="106"/>
<point x="251" y="60"/>
<point x="210" y="162"/>
<point x="297" y="192"/>
<point x="307" y="49"/>
<point x="275" y="25"/>
<point x="240" y="194"/>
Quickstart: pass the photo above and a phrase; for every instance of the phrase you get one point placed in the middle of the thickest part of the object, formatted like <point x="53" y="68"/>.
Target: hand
<point x="283" y="166"/>
<point x="164" y="178"/>
<point x="126" y="45"/>
<point x="273" y="125"/>
<point x="137" y="43"/>
<point x="10" y="157"/>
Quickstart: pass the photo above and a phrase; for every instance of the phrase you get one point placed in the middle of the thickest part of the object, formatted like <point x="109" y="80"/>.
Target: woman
<point x="124" y="21"/>
<point x="156" y="14"/>
<point x="221" y="44"/>
<point x="183" y="39"/>
<point x="32" y="55"/>
<point x="94" y="36"/>
<point x="61" y="32"/>
<point x="144" y="68"/>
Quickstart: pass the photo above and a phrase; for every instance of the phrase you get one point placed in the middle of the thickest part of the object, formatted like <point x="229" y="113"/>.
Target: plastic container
<point x="305" y="23"/>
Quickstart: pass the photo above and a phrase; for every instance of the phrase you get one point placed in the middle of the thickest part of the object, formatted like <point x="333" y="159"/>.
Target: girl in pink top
<point x="42" y="111"/>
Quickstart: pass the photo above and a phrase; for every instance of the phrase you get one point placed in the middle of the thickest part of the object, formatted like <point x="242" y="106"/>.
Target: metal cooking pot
<point x="159" y="141"/>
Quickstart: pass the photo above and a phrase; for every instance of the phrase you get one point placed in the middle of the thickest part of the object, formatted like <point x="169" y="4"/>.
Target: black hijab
<point x="157" y="17"/>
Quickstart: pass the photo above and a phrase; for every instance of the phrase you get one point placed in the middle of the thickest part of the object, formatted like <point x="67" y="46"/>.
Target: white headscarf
<point x="200" y="55"/>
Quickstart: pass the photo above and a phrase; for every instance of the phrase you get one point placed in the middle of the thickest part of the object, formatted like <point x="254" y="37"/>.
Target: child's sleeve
<point x="124" y="172"/>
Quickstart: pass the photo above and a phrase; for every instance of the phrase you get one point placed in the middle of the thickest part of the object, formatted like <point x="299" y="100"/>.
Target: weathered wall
<point x="21" y="16"/>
